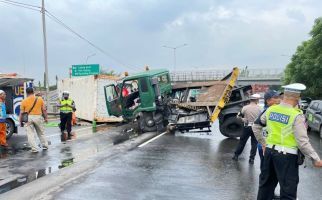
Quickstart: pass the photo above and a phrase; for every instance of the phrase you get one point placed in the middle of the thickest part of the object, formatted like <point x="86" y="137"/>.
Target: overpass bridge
<point x="271" y="77"/>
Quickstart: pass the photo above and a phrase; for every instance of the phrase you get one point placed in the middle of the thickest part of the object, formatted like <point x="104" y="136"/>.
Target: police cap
<point x="296" y="88"/>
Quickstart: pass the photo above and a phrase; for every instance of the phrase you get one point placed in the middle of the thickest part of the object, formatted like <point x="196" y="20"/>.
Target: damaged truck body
<point x="154" y="103"/>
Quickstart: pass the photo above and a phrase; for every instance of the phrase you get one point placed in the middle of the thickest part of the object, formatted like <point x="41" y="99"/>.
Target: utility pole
<point x="45" y="48"/>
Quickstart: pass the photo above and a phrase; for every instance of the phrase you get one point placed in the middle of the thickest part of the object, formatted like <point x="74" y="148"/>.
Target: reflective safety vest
<point x="66" y="108"/>
<point x="3" y="114"/>
<point x="280" y="120"/>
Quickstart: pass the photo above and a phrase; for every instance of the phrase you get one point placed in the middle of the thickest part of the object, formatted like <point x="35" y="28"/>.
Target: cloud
<point x="218" y="33"/>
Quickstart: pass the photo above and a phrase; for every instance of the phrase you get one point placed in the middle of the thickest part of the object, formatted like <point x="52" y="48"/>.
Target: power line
<point x="25" y="4"/>
<point x="54" y="18"/>
<point x="18" y="5"/>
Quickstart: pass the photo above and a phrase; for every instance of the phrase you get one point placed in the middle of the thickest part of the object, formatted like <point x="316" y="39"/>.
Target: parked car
<point x="314" y="116"/>
<point x="304" y="104"/>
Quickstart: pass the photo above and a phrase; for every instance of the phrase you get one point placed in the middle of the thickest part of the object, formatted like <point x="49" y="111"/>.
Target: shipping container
<point x="88" y="94"/>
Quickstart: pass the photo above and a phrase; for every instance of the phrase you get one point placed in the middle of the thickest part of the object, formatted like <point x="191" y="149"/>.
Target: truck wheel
<point x="146" y="123"/>
<point x="231" y="127"/>
<point x="10" y="128"/>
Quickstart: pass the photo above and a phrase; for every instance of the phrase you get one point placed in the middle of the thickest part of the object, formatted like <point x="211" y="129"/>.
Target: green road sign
<point x="85" y="70"/>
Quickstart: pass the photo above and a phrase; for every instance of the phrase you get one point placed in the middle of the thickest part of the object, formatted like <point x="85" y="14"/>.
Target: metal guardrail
<point x="210" y="75"/>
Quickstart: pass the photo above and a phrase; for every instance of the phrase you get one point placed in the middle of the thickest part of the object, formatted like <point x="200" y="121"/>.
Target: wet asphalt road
<point x="184" y="166"/>
<point x="18" y="166"/>
<point x="181" y="166"/>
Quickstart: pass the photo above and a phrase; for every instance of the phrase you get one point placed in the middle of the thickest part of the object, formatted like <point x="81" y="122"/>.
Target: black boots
<point x="69" y="136"/>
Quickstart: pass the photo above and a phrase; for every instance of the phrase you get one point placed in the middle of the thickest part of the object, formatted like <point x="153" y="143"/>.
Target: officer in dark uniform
<point x="287" y="135"/>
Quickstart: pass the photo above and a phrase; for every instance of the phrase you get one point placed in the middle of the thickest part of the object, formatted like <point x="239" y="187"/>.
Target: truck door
<point x="112" y="99"/>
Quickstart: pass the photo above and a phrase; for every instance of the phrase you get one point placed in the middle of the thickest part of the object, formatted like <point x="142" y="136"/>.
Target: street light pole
<point x="45" y="49"/>
<point x="174" y="53"/>
<point x="89" y="57"/>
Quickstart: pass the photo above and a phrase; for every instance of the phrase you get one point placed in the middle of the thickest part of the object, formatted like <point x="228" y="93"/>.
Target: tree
<point x="106" y="72"/>
<point x="56" y="80"/>
<point x="306" y="63"/>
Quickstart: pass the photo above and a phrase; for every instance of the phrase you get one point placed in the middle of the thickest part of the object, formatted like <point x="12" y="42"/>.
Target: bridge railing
<point x="217" y="74"/>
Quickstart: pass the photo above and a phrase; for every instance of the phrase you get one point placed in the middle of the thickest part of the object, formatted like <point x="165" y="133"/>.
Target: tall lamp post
<point x="89" y="57"/>
<point x="174" y="53"/>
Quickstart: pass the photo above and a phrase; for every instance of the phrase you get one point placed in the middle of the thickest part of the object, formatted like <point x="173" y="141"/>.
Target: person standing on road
<point x="248" y="114"/>
<point x="67" y="106"/>
<point x="3" y="115"/>
<point x="287" y="135"/>
<point x="271" y="97"/>
<point x="35" y="106"/>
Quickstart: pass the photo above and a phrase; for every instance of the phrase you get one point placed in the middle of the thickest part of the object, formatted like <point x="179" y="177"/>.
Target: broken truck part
<point x="198" y="105"/>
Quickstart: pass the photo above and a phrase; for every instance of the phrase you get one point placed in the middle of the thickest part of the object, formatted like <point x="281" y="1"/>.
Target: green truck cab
<point x="142" y="97"/>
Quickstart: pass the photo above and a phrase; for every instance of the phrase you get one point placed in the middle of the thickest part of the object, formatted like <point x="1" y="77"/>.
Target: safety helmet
<point x="255" y="96"/>
<point x="65" y="92"/>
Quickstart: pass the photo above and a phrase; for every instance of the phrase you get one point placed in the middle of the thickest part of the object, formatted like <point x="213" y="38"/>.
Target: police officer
<point x="286" y="135"/>
<point x="67" y="106"/>
<point x="248" y="114"/>
<point x="271" y="97"/>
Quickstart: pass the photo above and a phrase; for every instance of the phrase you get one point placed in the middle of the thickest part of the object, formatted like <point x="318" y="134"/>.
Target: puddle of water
<point x="29" y="177"/>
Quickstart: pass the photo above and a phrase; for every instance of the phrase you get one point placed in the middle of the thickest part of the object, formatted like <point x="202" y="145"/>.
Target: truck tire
<point x="10" y="128"/>
<point x="146" y="123"/>
<point x="232" y="127"/>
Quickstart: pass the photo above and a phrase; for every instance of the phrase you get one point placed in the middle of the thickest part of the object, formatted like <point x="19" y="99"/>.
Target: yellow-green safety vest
<point x="280" y="120"/>
<point x="66" y="108"/>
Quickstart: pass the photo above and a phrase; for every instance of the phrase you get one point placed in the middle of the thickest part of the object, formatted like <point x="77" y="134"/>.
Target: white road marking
<point x="152" y="139"/>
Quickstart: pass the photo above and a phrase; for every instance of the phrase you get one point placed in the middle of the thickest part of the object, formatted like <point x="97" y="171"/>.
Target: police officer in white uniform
<point x="248" y="115"/>
<point x="287" y="135"/>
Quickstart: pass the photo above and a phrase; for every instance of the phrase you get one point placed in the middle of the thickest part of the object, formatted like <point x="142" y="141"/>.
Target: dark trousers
<point x="66" y="120"/>
<point x="278" y="168"/>
<point x="247" y="132"/>
<point x="261" y="155"/>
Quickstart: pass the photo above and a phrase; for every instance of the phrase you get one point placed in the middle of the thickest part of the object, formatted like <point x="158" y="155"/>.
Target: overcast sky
<point x="218" y="34"/>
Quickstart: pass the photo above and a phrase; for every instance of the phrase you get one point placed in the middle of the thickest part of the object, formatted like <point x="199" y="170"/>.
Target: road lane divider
<point x="151" y="140"/>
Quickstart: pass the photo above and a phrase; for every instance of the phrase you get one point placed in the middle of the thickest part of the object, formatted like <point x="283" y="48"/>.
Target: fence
<point x="209" y="75"/>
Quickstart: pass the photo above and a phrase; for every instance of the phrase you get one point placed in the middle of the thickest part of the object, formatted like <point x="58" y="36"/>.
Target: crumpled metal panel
<point x="213" y="93"/>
